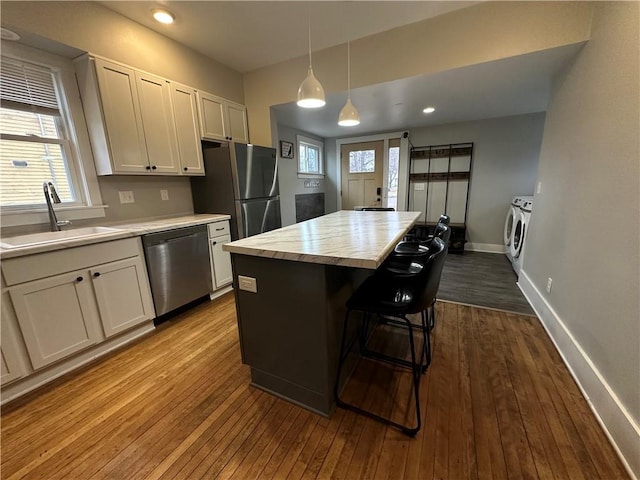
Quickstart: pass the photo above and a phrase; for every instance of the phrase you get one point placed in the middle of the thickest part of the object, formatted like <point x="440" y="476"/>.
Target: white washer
<point x="510" y="220"/>
<point x="520" y="231"/>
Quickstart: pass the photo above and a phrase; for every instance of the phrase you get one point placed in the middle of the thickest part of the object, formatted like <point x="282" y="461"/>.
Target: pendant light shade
<point x="310" y="93"/>
<point x="348" y="116"/>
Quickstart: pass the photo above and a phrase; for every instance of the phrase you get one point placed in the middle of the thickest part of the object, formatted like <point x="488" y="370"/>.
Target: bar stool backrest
<point x="443" y="232"/>
<point x="444" y="219"/>
<point x="430" y="276"/>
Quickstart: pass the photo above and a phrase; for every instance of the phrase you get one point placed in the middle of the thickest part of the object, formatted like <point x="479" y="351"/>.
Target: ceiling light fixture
<point x="310" y="93"/>
<point x="429" y="110"/>
<point x="163" y="16"/>
<point x="9" y="35"/>
<point x="348" y="116"/>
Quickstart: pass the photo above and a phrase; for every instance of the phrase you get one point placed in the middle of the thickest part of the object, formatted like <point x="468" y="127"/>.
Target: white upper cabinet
<point x="154" y="94"/>
<point x="221" y="119"/>
<point x="185" y="112"/>
<point x="139" y="123"/>
<point x="120" y="131"/>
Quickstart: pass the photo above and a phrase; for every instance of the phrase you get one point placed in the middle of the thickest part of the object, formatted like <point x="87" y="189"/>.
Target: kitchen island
<point x="291" y="286"/>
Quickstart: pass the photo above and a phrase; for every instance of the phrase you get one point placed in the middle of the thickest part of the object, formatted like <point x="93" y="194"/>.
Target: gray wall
<point x="505" y="161"/>
<point x="146" y="192"/>
<point x="290" y="184"/>
<point x="586" y="219"/>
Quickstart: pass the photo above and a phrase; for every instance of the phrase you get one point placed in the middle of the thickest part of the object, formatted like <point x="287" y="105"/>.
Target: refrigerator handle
<point x="272" y="192"/>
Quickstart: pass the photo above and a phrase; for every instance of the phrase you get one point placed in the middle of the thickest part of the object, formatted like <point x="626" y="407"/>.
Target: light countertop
<point x="346" y="238"/>
<point x="117" y="231"/>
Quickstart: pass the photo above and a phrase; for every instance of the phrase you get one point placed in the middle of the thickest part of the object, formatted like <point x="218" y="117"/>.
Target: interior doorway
<point x="362" y="166"/>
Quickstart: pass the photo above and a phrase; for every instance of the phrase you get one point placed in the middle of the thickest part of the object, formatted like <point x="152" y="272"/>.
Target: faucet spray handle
<point x="54" y="194"/>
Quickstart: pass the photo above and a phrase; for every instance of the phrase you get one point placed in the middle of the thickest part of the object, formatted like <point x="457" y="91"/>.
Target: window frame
<point x="301" y="139"/>
<point x="81" y="168"/>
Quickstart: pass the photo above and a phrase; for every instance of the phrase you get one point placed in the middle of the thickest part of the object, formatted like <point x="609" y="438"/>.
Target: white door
<point x="57" y="316"/>
<point x="220" y="262"/>
<point x="121" y="110"/>
<point x="362" y="169"/>
<point x="154" y="94"/>
<point x="185" y="114"/>
<point x="122" y="295"/>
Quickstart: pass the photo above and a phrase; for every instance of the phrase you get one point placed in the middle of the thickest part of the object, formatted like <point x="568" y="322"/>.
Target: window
<point x="42" y="139"/>
<point x="33" y="147"/>
<point x="362" y="161"/>
<point x="310" y="159"/>
<point x="392" y="183"/>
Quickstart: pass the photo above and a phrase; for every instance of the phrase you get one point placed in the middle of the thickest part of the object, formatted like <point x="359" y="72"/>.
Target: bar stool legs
<point x="416" y="367"/>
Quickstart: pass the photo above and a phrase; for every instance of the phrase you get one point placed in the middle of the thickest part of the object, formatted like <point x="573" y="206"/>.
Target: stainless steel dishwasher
<point x="178" y="265"/>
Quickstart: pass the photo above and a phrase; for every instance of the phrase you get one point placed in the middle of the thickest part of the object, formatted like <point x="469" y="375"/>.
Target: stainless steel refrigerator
<point x="242" y="181"/>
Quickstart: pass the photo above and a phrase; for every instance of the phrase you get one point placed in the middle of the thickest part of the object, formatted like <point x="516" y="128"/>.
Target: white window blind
<point x="28" y="87"/>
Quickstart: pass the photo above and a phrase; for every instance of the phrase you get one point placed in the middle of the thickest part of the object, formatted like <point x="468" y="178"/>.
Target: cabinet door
<point x="10" y="361"/>
<point x="57" y="316"/>
<point x="123" y="121"/>
<point x="122" y="292"/>
<point x="220" y="262"/>
<point x="212" y="115"/>
<point x="237" y="120"/>
<point x="185" y="114"/>
<point x="158" y="124"/>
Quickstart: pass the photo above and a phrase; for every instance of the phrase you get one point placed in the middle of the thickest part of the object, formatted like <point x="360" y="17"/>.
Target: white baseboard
<point x="485" y="247"/>
<point x="621" y="429"/>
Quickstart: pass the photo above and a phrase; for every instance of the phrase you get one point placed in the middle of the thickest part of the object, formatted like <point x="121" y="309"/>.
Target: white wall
<point x="585" y="229"/>
<point x="288" y="180"/>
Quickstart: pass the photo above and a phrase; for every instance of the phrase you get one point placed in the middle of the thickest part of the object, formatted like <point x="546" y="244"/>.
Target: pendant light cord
<point x="309" y="23"/>
<point x="349" y="69"/>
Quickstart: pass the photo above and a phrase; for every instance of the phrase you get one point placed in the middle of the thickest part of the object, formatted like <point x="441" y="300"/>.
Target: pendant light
<point x="348" y="116"/>
<point x="310" y="93"/>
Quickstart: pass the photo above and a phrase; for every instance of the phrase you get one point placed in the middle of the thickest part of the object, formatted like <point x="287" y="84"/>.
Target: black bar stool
<point x="390" y="299"/>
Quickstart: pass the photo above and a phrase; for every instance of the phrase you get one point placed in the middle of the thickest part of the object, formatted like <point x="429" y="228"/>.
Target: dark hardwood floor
<point x="497" y="402"/>
<point x="482" y="279"/>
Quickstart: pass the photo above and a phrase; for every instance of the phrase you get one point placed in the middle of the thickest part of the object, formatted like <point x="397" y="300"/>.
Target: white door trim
<point x="403" y="161"/>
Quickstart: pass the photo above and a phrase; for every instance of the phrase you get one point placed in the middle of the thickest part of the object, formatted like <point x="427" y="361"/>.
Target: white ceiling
<point x="249" y="35"/>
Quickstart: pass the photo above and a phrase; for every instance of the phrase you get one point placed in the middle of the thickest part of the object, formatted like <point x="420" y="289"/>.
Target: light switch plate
<point x="164" y="194"/>
<point x="248" y="284"/>
<point x="126" y="197"/>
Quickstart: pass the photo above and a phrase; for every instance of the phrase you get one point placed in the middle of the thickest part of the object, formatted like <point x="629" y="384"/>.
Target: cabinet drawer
<point x="41" y="265"/>
<point x="218" y="229"/>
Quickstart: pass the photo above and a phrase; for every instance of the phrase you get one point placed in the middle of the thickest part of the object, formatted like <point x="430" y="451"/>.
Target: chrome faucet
<point x="49" y="194"/>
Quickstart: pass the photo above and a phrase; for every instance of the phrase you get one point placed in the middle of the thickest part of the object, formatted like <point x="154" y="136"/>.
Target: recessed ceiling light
<point x="429" y="110"/>
<point x="163" y="16"/>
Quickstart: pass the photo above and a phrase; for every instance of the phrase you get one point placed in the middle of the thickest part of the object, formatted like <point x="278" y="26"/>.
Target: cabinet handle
<point x="153" y="167"/>
<point x="97" y="274"/>
<point x="219" y="229"/>
<point x="148" y="167"/>
<point x="186" y="168"/>
<point x="214" y="243"/>
<point x="79" y="279"/>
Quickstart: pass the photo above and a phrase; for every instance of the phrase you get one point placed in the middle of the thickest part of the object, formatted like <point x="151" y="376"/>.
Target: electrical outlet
<point x="538" y="188"/>
<point x="248" y="284"/>
<point x="549" y="282"/>
<point x="126" y="197"/>
<point x="164" y="194"/>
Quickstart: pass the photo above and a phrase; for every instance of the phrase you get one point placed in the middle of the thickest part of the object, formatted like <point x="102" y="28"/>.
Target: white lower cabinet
<point x="119" y="288"/>
<point x="12" y="348"/>
<point x="221" y="273"/>
<point x="57" y="316"/>
<point x="70" y="300"/>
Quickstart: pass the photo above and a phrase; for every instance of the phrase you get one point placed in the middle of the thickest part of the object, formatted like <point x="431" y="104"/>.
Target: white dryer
<point x="512" y="216"/>
<point x="520" y="231"/>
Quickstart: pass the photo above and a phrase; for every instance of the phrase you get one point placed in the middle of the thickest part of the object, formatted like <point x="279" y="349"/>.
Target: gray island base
<point x="291" y="286"/>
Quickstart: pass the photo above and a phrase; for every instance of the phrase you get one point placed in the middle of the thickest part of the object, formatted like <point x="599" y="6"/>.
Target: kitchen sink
<point x="51" y="237"/>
